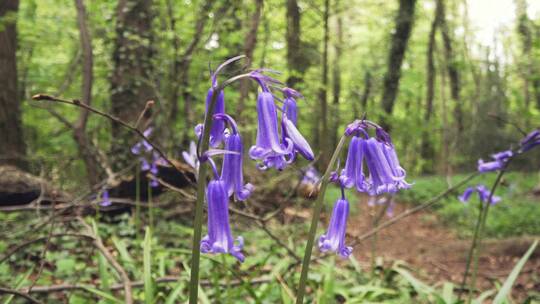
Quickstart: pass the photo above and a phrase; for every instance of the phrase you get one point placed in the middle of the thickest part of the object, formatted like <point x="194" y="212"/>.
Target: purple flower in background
<point x="334" y="239"/>
<point x="311" y="176"/>
<point x="219" y="238"/>
<point x="530" y="141"/>
<point x="190" y="157"/>
<point x="105" y="200"/>
<point x="352" y="174"/>
<point x="268" y="147"/>
<point x="154" y="170"/>
<point x="381" y="173"/>
<point x="498" y="162"/>
<point x="483" y="194"/>
<point x="231" y="171"/>
<point x="142" y="146"/>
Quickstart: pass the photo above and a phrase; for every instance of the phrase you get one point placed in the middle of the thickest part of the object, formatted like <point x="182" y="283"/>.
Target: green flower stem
<point x="315" y="222"/>
<point x="137" y="200"/>
<point x="150" y="207"/>
<point x="477" y="237"/>
<point x="476" y="256"/>
<point x="201" y="187"/>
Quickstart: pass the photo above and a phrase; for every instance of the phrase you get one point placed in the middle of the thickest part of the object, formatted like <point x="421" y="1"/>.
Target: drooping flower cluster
<point x="272" y="149"/>
<point x="148" y="158"/>
<point x="483" y="194"/>
<point x="500" y="159"/>
<point x="383" y="174"/>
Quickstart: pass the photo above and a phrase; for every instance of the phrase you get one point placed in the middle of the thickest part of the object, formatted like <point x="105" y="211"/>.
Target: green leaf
<point x="507" y="286"/>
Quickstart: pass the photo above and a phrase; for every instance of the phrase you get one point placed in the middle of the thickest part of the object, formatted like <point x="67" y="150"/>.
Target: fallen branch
<point x="19" y="294"/>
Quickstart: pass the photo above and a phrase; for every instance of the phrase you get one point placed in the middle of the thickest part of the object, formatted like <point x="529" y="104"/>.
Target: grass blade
<point x="507" y="286"/>
<point x="147" y="268"/>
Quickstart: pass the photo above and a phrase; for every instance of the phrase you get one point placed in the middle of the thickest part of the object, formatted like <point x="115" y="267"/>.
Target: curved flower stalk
<point x="483" y="195"/>
<point x="334" y="238"/>
<point x="231" y="171"/>
<point x="219" y="238"/>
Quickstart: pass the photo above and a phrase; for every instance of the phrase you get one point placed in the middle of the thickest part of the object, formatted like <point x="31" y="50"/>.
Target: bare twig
<point x="19" y="294"/>
<point x="138" y="284"/>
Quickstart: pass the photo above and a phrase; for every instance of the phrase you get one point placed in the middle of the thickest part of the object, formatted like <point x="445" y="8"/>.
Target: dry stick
<point x="112" y="261"/>
<point x="138" y="284"/>
<point x="19" y="294"/>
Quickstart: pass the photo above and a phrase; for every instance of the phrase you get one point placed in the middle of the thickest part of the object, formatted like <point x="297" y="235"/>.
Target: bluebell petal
<point x="334" y="239"/>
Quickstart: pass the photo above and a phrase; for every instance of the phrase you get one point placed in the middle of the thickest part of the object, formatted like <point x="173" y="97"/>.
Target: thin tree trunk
<point x="185" y="64"/>
<point x="367" y="91"/>
<point x="12" y="145"/>
<point x="453" y="72"/>
<point x="295" y="62"/>
<point x="130" y="81"/>
<point x="524" y="31"/>
<point x="249" y="48"/>
<point x="323" y="99"/>
<point x="426" y="150"/>
<point x="87" y="153"/>
<point x="337" y="75"/>
<point x="400" y="39"/>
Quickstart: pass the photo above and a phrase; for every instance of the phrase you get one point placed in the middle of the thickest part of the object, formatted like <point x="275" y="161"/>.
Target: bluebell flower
<point x="300" y="144"/>
<point x="498" y="162"/>
<point x="231" y="171"/>
<point x="190" y="156"/>
<point x="353" y="174"/>
<point x="483" y="194"/>
<point x="268" y="147"/>
<point x="289" y="104"/>
<point x="393" y="162"/>
<point x="310" y="176"/>
<point x="334" y="239"/>
<point x="154" y="170"/>
<point x="530" y="141"/>
<point x="219" y="238"/>
<point x="105" y="200"/>
<point x="382" y="176"/>
<point x="142" y="146"/>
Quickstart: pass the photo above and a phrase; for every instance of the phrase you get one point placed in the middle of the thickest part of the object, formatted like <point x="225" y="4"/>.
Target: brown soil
<point x="438" y="255"/>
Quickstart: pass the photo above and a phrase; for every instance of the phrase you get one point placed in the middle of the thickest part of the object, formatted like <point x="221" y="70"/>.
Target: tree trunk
<point x="249" y="48"/>
<point x="336" y="71"/>
<point x="184" y="66"/>
<point x="367" y="91"/>
<point x="12" y="145"/>
<point x="131" y="77"/>
<point x="295" y="60"/>
<point x="87" y="150"/>
<point x="426" y="150"/>
<point x="398" y="45"/>
<point x="323" y="102"/>
<point x="452" y="69"/>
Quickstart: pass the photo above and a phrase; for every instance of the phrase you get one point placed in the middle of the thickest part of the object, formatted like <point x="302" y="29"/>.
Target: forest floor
<point x="438" y="254"/>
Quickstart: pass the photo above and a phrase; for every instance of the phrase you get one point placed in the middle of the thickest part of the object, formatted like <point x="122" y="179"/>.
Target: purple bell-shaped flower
<point x="334" y="239"/>
<point x="219" y="238"/>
